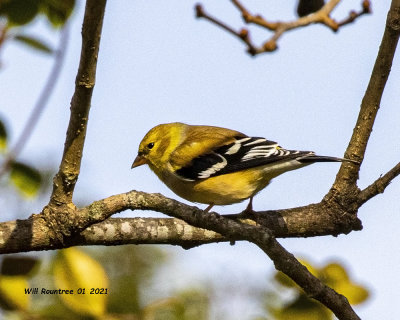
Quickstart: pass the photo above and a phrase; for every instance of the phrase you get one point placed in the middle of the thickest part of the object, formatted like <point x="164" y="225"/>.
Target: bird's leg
<point x="249" y="208"/>
<point x="209" y="207"/>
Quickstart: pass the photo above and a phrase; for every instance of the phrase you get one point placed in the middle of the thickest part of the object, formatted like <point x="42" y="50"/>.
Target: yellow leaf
<point x="12" y="293"/>
<point x="317" y="314"/>
<point x="284" y="280"/>
<point x="336" y="276"/>
<point x="310" y="268"/>
<point x="356" y="294"/>
<point x="333" y="274"/>
<point x="77" y="271"/>
<point x="303" y="308"/>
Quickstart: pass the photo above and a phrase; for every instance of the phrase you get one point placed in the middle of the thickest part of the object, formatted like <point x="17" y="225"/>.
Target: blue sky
<point x="158" y="64"/>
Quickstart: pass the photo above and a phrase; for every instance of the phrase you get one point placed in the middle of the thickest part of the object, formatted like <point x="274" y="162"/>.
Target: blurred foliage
<point x="12" y="294"/>
<point x="187" y="305"/>
<point x="18" y="265"/>
<point x="3" y="136"/>
<point x="299" y="306"/>
<point x="75" y="270"/>
<point x="128" y="275"/>
<point x="131" y="272"/>
<point x="14" y="274"/>
<point x="25" y="178"/>
<point x="22" y="12"/>
<point x="17" y="15"/>
<point x="33" y="42"/>
<point x="120" y="280"/>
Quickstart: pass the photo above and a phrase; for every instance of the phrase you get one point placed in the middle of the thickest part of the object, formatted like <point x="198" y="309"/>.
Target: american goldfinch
<point x="217" y="166"/>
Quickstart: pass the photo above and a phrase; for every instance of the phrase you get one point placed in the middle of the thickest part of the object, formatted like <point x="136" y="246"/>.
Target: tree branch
<point x="379" y="185"/>
<point x="31" y="235"/>
<point x="33" y="232"/>
<point x="91" y="225"/>
<point x="263" y="238"/>
<point x="65" y="179"/>
<point x="59" y="214"/>
<point x="345" y="183"/>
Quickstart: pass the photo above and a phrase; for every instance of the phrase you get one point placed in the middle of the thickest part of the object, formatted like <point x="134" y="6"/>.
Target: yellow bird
<point x="217" y="166"/>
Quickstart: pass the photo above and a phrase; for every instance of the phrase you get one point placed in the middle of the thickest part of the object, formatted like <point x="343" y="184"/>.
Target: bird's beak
<point x="139" y="160"/>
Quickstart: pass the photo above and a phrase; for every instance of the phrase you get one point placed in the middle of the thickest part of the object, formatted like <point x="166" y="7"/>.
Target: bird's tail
<point x="315" y="158"/>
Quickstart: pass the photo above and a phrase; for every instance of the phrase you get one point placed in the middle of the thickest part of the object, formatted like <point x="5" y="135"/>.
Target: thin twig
<point x="41" y="102"/>
<point x="379" y="185"/>
<point x="353" y="15"/>
<point x="257" y="19"/>
<point x="243" y="34"/>
<point x="321" y="16"/>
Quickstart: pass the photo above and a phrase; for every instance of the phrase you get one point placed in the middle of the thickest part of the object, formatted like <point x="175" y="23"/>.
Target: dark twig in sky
<point x="353" y="15"/>
<point x="321" y="16"/>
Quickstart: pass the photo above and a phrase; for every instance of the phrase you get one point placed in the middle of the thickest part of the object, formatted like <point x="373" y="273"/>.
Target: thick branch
<point x="33" y="234"/>
<point x="65" y="179"/>
<point x="348" y="174"/>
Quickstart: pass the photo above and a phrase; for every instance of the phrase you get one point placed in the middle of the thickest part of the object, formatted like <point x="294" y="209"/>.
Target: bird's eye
<point x="150" y="145"/>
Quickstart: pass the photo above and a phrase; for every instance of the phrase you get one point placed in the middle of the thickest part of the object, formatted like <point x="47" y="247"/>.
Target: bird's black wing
<point x="242" y="154"/>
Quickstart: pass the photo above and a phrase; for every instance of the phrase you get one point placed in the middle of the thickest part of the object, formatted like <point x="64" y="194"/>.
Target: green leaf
<point x="34" y="43"/>
<point x="57" y="11"/>
<point x="17" y="265"/>
<point x="26" y="179"/>
<point x="75" y="270"/>
<point x="3" y="136"/>
<point x="19" y="12"/>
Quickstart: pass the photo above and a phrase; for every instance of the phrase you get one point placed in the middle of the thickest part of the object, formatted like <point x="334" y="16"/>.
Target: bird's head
<point x="157" y="145"/>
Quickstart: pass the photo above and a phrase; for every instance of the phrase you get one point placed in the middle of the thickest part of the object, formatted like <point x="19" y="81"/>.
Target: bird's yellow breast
<point x="219" y="190"/>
